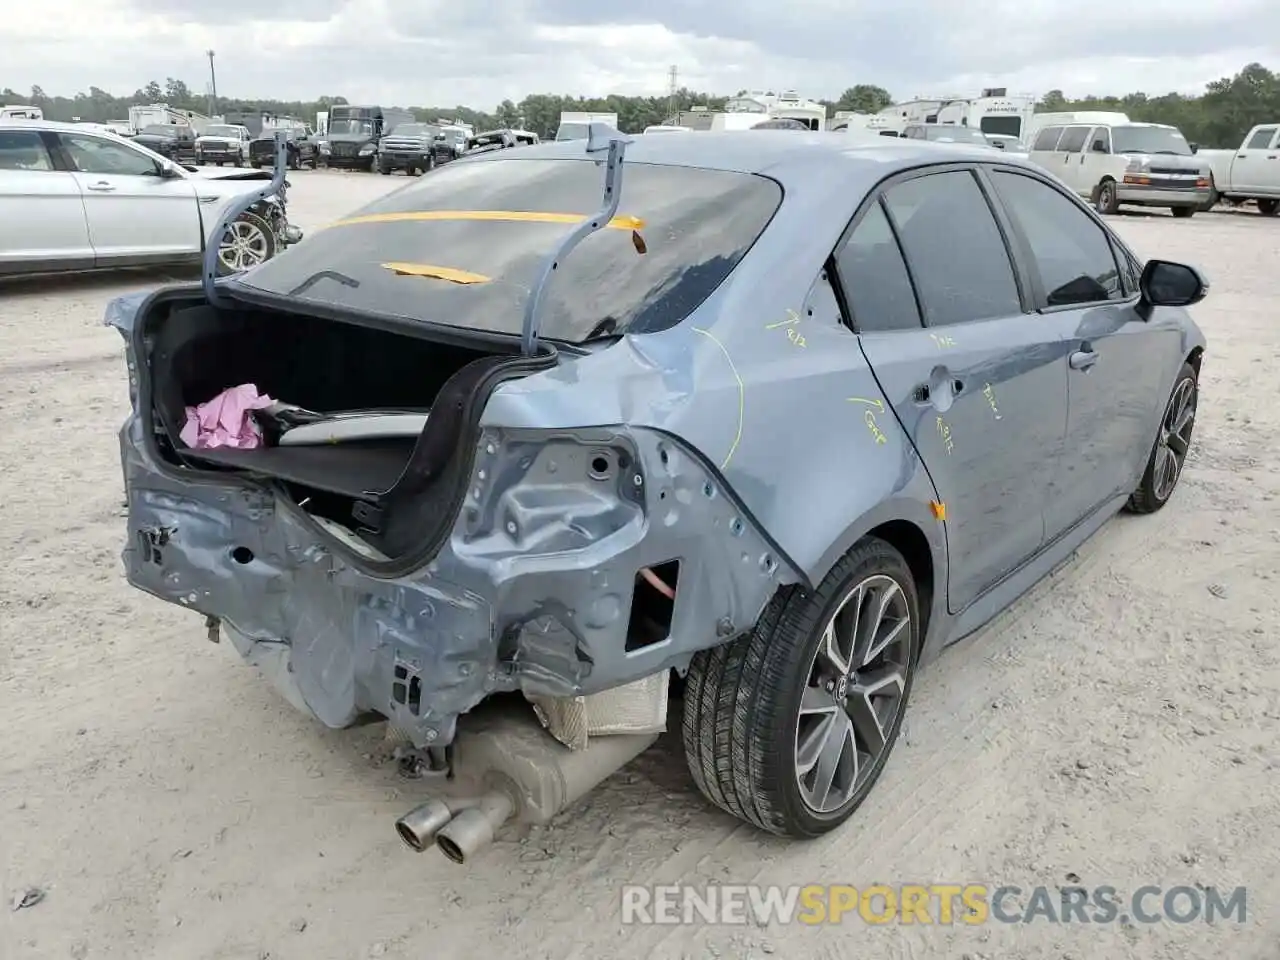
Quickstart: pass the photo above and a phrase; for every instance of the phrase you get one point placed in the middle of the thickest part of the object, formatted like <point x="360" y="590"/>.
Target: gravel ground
<point x="1117" y="726"/>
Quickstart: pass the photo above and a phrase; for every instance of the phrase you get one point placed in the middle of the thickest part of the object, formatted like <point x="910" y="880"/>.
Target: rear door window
<point x="953" y="248"/>
<point x="1069" y="249"/>
<point x="1261" y="139"/>
<point x="23" y="150"/>
<point x="1047" y="139"/>
<point x="464" y="246"/>
<point x="874" y="277"/>
<point x="1073" y="140"/>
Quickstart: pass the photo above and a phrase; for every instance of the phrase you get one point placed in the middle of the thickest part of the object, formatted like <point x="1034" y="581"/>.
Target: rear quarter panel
<point x="769" y="386"/>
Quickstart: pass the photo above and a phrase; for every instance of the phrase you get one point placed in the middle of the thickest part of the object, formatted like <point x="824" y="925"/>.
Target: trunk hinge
<point x="277" y="187"/>
<point x="601" y="136"/>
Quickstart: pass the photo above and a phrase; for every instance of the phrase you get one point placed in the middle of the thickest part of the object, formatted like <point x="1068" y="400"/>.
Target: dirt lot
<point x="1118" y="726"/>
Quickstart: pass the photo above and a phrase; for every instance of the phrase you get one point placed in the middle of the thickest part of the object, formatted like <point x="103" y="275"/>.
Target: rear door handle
<point x="101" y="187"/>
<point x="1083" y="359"/>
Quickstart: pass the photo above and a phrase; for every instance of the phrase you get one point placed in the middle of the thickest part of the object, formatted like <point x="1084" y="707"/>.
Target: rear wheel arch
<point x="905" y="526"/>
<point x="1194" y="358"/>
<point x="910" y="541"/>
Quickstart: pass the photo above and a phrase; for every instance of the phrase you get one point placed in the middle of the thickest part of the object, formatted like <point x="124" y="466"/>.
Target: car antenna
<point x="278" y="187"/>
<point x="600" y="136"/>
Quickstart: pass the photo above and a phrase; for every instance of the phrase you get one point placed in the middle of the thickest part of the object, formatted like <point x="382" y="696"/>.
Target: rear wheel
<point x="1268" y="207"/>
<point x="1173" y="440"/>
<point x="789" y="726"/>
<point x="1183" y="213"/>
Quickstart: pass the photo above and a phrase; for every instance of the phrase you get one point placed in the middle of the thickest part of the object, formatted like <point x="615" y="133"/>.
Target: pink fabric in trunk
<point x="226" y="420"/>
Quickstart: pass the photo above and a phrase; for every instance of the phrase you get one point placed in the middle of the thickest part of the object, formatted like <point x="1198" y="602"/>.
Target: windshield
<point x="488" y="226"/>
<point x="217" y="131"/>
<point x="413" y="130"/>
<point x="956" y="134"/>
<point x="573" y="131"/>
<point x="161" y="130"/>
<point x="1149" y="140"/>
<point x="351" y="128"/>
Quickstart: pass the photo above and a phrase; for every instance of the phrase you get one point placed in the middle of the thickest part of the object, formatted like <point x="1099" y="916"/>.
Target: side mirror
<point x="1195" y="147"/>
<point x="1168" y="284"/>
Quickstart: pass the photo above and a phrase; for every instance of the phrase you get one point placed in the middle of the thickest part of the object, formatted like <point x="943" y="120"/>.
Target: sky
<point x="450" y="52"/>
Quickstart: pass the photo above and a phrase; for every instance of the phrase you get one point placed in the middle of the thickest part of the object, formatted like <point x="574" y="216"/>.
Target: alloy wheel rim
<point x="1175" y="439"/>
<point x="854" y="691"/>
<point x="243" y="246"/>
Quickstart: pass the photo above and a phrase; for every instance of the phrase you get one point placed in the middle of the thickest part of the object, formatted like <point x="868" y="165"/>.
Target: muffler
<point x="522" y="773"/>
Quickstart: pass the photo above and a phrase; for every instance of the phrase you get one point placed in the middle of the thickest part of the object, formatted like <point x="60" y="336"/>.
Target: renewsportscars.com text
<point x="939" y="903"/>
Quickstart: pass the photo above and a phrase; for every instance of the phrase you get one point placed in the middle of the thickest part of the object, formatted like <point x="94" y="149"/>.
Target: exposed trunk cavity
<point x="372" y="430"/>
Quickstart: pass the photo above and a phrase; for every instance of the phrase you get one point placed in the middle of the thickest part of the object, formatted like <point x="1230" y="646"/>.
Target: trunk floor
<point x="349" y="469"/>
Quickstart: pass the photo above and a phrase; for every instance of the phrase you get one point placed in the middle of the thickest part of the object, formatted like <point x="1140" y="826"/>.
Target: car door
<point x="1070" y="157"/>
<point x="43" y="219"/>
<point x="980" y="385"/>
<point x="1117" y="363"/>
<point x="1095" y="161"/>
<point x="1042" y="151"/>
<point x="1255" y="171"/>
<point x="134" y="212"/>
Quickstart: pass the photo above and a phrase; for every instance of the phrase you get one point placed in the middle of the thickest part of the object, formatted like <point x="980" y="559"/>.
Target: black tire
<point x="239" y="161"/>
<point x="384" y="170"/>
<point x="1268" y="207"/>
<point x="1105" y="197"/>
<point x="256" y="165"/>
<point x="269" y="240"/>
<point x="742" y="700"/>
<point x="292" y="161"/>
<point x="1172" y="437"/>
<point x="1183" y="213"/>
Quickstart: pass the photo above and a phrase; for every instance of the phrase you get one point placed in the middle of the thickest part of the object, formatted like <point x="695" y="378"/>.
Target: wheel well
<point x="910" y="541"/>
<point x="1194" y="359"/>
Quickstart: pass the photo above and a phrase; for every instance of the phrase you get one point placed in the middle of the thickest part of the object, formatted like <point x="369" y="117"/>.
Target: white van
<point x="1117" y="162"/>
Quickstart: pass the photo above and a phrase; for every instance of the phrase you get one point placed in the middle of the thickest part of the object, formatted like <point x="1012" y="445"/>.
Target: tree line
<point x="1219" y="117"/>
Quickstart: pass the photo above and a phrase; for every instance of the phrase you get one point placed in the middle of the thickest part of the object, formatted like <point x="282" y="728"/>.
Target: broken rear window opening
<point x="694" y="226"/>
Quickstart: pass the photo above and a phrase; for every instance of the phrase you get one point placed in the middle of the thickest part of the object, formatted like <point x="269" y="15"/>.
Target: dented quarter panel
<point x="763" y="374"/>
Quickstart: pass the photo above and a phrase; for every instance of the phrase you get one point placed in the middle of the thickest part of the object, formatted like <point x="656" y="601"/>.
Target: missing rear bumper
<point x="533" y="590"/>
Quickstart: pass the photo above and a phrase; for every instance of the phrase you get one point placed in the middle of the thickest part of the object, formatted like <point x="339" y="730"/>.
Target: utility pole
<point x="213" y="86"/>
<point x="673" y="77"/>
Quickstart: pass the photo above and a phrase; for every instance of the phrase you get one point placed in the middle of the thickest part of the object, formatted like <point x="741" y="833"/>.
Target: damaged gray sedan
<point x="756" y="421"/>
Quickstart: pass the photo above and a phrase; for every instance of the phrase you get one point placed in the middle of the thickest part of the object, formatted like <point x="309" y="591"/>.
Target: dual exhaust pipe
<point x="458" y="828"/>
<point x="527" y="775"/>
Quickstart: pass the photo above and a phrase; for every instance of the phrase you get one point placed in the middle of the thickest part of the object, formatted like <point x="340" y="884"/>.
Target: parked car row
<point x="78" y="199"/>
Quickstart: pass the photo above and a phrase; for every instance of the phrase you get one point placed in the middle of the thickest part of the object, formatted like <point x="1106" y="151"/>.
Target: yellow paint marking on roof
<point x="506" y="216"/>
<point x="436" y="273"/>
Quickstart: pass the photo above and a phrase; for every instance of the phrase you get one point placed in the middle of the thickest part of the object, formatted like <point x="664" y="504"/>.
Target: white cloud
<point x="436" y="52"/>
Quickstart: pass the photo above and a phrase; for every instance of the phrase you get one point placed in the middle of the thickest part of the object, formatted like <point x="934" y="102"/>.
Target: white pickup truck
<point x="1251" y="172"/>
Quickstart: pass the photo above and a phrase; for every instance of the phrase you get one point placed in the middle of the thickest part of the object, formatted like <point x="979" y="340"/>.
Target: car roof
<point x="785" y="155"/>
<point x="52" y="126"/>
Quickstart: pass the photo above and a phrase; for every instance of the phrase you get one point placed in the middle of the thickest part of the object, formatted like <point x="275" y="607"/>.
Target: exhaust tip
<point x="411" y="839"/>
<point x="451" y="850"/>
<point x="418" y="828"/>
